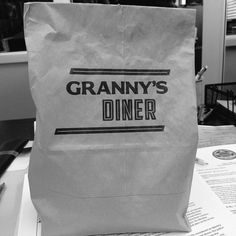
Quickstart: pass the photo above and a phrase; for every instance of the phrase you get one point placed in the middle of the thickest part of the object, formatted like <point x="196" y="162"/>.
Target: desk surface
<point x="216" y="135"/>
<point x="10" y="202"/>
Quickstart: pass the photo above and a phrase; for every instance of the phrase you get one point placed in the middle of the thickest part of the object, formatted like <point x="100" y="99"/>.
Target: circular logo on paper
<point x="224" y="154"/>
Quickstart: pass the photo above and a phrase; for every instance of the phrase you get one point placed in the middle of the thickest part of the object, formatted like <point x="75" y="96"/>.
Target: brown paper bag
<point x="116" y="132"/>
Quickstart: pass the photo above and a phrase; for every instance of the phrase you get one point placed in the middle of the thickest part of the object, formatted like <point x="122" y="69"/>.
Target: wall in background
<point x="15" y="98"/>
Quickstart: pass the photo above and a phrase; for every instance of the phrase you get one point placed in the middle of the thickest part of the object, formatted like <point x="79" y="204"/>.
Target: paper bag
<point x="116" y="131"/>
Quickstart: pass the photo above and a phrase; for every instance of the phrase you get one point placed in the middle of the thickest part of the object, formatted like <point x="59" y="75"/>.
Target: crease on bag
<point x="115" y="196"/>
<point x="74" y="147"/>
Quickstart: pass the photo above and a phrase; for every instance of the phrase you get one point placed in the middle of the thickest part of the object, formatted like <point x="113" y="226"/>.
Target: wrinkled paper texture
<point x="116" y="132"/>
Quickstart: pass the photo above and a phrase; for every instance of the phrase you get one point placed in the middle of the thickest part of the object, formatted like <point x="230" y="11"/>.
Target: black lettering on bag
<point x="73" y="87"/>
<point x="107" y="110"/>
<point x="145" y="86"/>
<point x="127" y="109"/>
<point x="161" y="87"/>
<point x="117" y="109"/>
<point x="150" y="109"/>
<point x="103" y="88"/>
<point x="130" y="87"/>
<point x="116" y="87"/>
<point x="88" y="87"/>
<point x="138" y="109"/>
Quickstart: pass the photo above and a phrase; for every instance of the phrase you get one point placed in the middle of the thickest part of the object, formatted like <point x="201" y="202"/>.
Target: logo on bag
<point x="115" y="87"/>
<point x="116" y="109"/>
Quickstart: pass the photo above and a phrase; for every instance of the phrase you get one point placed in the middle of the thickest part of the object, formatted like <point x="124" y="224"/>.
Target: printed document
<point x="206" y="213"/>
<point x="218" y="170"/>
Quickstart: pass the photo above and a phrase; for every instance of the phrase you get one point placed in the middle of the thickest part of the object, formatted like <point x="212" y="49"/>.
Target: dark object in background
<point x="14" y="134"/>
<point x="16" y="129"/>
<point x="9" y="150"/>
<point x="157" y="3"/>
<point x="231" y="26"/>
<point x="11" y="25"/>
<point x="219" y="116"/>
<point x="220" y="100"/>
<point x="14" y="43"/>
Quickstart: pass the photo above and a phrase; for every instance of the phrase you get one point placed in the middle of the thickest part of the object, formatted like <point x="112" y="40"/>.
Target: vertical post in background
<point x="213" y="44"/>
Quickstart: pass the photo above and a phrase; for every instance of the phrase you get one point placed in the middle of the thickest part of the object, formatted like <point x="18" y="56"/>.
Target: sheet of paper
<point x="220" y="172"/>
<point x="28" y="218"/>
<point x="30" y="143"/>
<point x="10" y="201"/>
<point x="20" y="163"/>
<point x="206" y="213"/>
